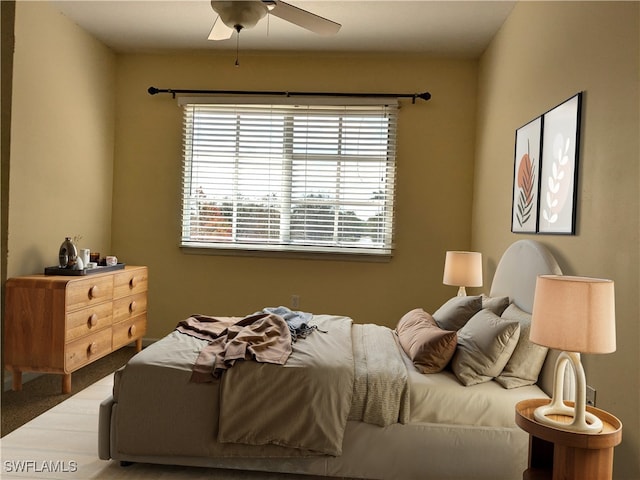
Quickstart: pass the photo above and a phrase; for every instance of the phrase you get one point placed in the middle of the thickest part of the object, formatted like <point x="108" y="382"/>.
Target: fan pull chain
<point x="237" y="64"/>
<point x="238" y="28"/>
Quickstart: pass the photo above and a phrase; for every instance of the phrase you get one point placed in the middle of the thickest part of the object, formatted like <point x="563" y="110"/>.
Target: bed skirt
<point x="397" y="452"/>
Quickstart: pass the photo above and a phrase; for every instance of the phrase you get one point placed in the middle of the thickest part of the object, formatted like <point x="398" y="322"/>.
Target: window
<point x="312" y="178"/>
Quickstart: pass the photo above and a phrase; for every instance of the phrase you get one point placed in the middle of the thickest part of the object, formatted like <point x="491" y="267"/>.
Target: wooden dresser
<point x="58" y="324"/>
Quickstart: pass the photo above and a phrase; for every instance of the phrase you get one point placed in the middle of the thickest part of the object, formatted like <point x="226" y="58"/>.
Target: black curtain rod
<point x="173" y="92"/>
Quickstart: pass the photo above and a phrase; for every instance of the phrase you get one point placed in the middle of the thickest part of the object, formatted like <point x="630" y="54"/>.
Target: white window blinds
<point x="317" y="178"/>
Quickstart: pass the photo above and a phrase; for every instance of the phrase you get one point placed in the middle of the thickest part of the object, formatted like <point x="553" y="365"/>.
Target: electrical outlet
<point x="591" y="396"/>
<point x="295" y="301"/>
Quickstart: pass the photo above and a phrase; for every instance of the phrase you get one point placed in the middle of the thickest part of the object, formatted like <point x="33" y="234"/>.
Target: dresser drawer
<point x="87" y="349"/>
<point x="89" y="291"/>
<point x="130" y="282"/>
<point x="88" y="320"/>
<point x="129" y="330"/>
<point x="129" y="307"/>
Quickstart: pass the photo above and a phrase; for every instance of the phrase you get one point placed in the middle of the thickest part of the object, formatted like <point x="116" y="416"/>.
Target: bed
<point x="439" y="428"/>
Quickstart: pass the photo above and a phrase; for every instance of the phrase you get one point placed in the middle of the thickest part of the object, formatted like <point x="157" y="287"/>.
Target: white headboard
<point x="518" y="270"/>
<point x="515" y="277"/>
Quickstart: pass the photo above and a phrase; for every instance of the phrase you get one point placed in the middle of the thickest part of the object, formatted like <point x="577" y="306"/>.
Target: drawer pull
<point x="93" y="320"/>
<point x="93" y="291"/>
<point x="132" y="306"/>
<point x="132" y="330"/>
<point x="133" y="282"/>
<point x="93" y="348"/>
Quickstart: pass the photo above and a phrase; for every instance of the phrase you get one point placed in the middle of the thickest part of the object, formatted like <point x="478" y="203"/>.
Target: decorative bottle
<point x="68" y="253"/>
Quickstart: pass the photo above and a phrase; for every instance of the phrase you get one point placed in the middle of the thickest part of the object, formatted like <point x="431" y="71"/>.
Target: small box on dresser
<point x="58" y="324"/>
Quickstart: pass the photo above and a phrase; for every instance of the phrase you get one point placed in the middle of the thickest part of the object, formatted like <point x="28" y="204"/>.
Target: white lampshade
<point x="463" y="269"/>
<point x="574" y="314"/>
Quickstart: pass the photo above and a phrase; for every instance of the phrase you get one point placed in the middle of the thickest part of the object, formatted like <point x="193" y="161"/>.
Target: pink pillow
<point x="428" y="346"/>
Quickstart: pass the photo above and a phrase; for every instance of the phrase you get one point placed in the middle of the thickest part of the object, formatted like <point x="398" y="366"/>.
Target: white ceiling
<point x="452" y="28"/>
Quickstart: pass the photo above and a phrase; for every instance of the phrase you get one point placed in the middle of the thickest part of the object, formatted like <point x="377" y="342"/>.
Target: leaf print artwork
<point x="558" y="167"/>
<point x="526" y="178"/>
<point x="526" y="183"/>
<point x="558" y="187"/>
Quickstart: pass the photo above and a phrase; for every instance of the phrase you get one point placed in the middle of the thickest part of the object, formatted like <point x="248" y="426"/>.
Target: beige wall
<point x="545" y="53"/>
<point x="62" y="143"/>
<point x="63" y="156"/>
<point x="435" y="169"/>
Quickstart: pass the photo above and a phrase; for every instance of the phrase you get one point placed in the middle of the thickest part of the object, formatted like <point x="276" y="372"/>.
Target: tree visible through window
<point x="288" y="177"/>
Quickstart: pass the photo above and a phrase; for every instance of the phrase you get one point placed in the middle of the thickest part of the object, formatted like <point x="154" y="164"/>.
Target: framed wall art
<point x="526" y="177"/>
<point x="559" y="169"/>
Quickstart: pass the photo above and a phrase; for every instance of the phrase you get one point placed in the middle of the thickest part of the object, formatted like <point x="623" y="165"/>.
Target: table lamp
<point x="463" y="269"/>
<point x="575" y="315"/>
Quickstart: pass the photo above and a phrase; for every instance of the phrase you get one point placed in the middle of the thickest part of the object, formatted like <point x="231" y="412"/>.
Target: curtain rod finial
<point x="153" y="90"/>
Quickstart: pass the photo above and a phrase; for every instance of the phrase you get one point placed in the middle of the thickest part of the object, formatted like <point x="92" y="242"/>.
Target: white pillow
<point x="485" y="345"/>
<point x="526" y="361"/>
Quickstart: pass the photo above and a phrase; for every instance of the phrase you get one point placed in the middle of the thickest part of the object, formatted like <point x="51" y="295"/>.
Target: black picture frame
<point x="526" y="177"/>
<point x="559" y="167"/>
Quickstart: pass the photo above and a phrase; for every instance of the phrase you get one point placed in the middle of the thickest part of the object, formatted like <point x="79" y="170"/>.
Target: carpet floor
<point x="44" y="392"/>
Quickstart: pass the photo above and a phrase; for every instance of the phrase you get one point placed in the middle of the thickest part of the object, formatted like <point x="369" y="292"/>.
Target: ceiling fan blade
<point x="220" y="31"/>
<point x="303" y="18"/>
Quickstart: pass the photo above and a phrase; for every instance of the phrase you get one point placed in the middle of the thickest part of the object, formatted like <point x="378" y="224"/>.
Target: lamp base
<point x="462" y="292"/>
<point x="591" y="424"/>
<point x="583" y="421"/>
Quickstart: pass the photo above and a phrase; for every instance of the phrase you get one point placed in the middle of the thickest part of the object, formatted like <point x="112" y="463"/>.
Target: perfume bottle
<point x="68" y="254"/>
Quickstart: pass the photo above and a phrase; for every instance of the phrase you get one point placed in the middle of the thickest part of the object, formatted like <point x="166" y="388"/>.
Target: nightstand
<point x="557" y="454"/>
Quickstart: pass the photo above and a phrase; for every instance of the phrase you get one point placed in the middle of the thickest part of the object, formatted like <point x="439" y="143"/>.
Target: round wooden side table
<point x="557" y="454"/>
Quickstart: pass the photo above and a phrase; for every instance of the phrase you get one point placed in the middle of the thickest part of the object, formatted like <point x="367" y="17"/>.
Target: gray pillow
<point x="485" y="345"/>
<point x="496" y="304"/>
<point x="526" y="362"/>
<point x="457" y="311"/>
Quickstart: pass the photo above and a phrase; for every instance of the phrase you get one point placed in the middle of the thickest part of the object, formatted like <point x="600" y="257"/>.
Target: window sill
<point x="305" y="253"/>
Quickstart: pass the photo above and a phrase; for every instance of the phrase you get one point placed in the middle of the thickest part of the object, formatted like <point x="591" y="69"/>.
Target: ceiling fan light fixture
<point x="245" y="13"/>
<point x="271" y="4"/>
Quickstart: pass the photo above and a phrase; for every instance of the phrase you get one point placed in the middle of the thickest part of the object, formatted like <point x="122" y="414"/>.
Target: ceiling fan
<point x="239" y="14"/>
